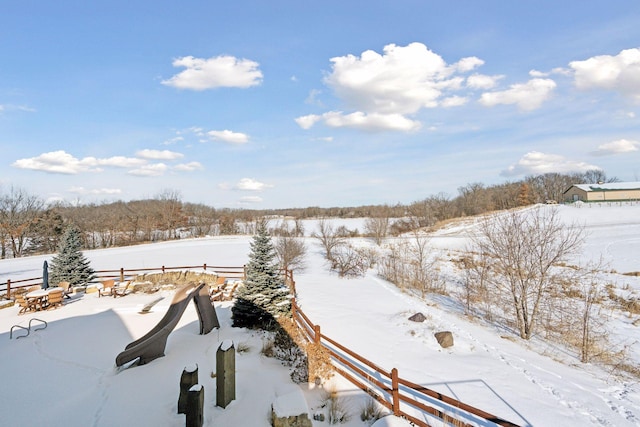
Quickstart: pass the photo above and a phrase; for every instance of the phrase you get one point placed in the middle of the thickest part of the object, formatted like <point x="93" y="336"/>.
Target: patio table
<point x="37" y="298"/>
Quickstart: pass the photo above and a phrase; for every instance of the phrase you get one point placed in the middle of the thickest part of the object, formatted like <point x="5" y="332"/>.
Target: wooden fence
<point x="122" y="274"/>
<point x="389" y="389"/>
<point x="383" y="385"/>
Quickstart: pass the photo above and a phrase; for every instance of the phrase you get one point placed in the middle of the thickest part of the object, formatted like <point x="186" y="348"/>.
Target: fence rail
<point x="389" y="389"/>
<point x="122" y="274"/>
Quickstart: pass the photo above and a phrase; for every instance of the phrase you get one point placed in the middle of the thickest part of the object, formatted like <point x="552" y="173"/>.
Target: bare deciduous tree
<point x="329" y="238"/>
<point x="520" y="248"/>
<point x="19" y="212"/>
<point x="291" y="252"/>
<point x="377" y="227"/>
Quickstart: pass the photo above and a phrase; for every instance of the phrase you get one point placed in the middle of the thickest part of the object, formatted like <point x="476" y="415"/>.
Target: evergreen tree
<point x="70" y="265"/>
<point x="264" y="295"/>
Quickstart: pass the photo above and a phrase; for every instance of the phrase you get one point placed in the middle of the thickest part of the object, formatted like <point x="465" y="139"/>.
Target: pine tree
<point x="70" y="265"/>
<point x="264" y="295"/>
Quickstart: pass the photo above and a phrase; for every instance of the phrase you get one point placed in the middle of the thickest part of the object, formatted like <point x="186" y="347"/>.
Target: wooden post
<point x="8" y="288"/>
<point x="395" y="393"/>
<point x="204" y="267"/>
<point x="121" y="274"/>
<point x="195" y="406"/>
<point x="225" y="374"/>
<point x="316" y="334"/>
<point x="188" y="379"/>
<point x="163" y="269"/>
<point x="293" y="308"/>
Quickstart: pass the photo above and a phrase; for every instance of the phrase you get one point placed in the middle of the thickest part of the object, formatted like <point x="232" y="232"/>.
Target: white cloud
<point x="620" y="73"/>
<point x="251" y="199"/>
<point x="617" y="147"/>
<point x="95" y="191"/>
<point x="482" y="81"/>
<point x="159" y="154"/>
<point x="249" y="184"/>
<point x="312" y="99"/>
<point x="58" y="162"/>
<point x="306" y="122"/>
<point x="219" y="71"/>
<point x="228" y="136"/>
<point x="173" y="140"/>
<point x="362" y="121"/>
<point x="10" y="107"/>
<point x="121" y="162"/>
<point x="454" y="101"/>
<point x="400" y="81"/>
<point x="527" y="96"/>
<point x="468" y="64"/>
<point x="536" y="73"/>
<point x="537" y="163"/>
<point x="188" y="167"/>
<point x="156" y="169"/>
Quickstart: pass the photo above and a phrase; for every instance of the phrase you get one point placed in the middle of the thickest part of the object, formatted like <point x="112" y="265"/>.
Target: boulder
<point x="445" y="338"/>
<point x="418" y="317"/>
<point x="290" y="410"/>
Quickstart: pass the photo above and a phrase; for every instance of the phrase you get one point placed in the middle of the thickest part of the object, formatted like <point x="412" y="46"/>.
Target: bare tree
<point x="377" y="227"/>
<point x="412" y="264"/>
<point x="291" y="252"/>
<point x="329" y="238"/>
<point x="520" y="248"/>
<point x="19" y="212"/>
<point x="171" y="212"/>
<point x="348" y="261"/>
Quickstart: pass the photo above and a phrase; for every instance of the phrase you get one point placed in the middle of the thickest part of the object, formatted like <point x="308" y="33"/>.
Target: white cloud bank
<point x="228" y="136"/>
<point x="360" y="120"/>
<point x="159" y="154"/>
<point x="527" y="96"/>
<point x="400" y="81"/>
<point x="61" y="162"/>
<point x="250" y="184"/>
<point x="219" y="71"/>
<point x="619" y="146"/>
<point x="620" y="73"/>
<point x="384" y="89"/>
<point x="537" y="163"/>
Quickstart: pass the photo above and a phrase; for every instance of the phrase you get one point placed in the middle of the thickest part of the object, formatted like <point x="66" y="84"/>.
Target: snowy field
<point x="65" y="375"/>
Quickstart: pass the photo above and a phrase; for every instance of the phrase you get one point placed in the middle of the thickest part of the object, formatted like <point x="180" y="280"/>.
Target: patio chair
<point x="65" y="288"/>
<point x="121" y="289"/>
<point x="25" y="304"/>
<point x="54" y="298"/>
<point x="107" y="288"/>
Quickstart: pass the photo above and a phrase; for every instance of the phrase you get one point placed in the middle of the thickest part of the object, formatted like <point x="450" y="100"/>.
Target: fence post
<point x="121" y="274"/>
<point x="8" y="288"/>
<point x="293" y="308"/>
<point x="163" y="269"/>
<point x="204" y="267"/>
<point x="394" y="392"/>
<point x="316" y="334"/>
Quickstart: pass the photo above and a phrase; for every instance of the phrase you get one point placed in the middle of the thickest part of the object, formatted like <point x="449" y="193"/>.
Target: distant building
<point x="603" y="192"/>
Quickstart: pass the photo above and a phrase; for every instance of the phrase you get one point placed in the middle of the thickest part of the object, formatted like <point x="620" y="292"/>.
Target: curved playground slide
<point x="152" y="345"/>
<point x="206" y="312"/>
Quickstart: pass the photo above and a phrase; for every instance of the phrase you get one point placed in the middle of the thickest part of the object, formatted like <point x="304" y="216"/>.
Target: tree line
<point x="30" y="226"/>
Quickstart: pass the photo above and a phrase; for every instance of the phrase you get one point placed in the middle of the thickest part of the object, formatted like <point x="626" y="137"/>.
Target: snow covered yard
<point x="65" y="374"/>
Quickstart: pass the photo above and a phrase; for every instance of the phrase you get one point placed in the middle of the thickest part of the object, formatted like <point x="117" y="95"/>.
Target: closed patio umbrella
<point x="45" y="275"/>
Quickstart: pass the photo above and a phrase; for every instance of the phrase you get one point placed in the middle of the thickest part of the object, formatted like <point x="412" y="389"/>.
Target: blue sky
<point x="256" y="104"/>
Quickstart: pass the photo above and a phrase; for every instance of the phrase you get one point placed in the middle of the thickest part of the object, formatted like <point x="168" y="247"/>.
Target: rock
<point x="290" y="410"/>
<point x="418" y="317"/>
<point x="445" y="339"/>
